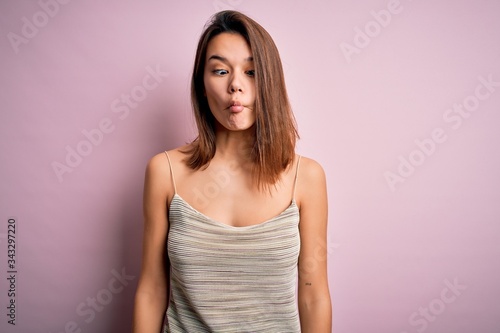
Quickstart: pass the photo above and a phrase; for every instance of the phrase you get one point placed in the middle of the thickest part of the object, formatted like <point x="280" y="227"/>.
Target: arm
<point x="314" y="302"/>
<point x="152" y="290"/>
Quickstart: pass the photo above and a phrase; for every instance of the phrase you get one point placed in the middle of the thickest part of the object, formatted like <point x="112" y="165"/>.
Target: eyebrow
<point x="221" y="58"/>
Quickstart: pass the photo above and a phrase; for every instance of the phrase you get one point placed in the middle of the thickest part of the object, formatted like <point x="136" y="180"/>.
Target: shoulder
<point x="158" y="174"/>
<point x="311" y="181"/>
<point x="160" y="163"/>
<point x="310" y="170"/>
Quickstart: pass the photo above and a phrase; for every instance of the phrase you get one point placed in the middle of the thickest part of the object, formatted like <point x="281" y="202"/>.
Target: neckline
<point x="291" y="206"/>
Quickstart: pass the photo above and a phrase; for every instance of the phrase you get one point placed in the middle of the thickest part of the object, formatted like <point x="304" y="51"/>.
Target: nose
<point x="234" y="88"/>
<point x="235" y="85"/>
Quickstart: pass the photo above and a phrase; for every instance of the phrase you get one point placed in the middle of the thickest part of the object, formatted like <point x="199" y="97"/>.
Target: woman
<point x="234" y="216"/>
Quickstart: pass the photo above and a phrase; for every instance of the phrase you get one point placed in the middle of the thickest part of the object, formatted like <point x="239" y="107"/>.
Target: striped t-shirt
<point x="232" y="279"/>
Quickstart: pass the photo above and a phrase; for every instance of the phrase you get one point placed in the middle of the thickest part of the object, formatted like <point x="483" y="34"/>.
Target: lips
<point x="236" y="106"/>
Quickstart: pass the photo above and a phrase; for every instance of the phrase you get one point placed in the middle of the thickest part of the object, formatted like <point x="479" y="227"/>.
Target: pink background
<point x="418" y="252"/>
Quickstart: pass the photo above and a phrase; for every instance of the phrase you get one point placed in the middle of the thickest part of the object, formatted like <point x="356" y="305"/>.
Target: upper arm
<point x="313" y="203"/>
<point x="157" y="191"/>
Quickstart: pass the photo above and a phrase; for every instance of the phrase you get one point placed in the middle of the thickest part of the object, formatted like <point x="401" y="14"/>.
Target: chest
<point x="196" y="242"/>
<point x="232" y="197"/>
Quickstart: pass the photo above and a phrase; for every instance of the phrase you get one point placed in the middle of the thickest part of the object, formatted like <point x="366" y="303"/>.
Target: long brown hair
<point x="275" y="128"/>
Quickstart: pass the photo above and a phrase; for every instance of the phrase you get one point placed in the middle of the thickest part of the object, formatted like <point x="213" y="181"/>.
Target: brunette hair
<point x="275" y="128"/>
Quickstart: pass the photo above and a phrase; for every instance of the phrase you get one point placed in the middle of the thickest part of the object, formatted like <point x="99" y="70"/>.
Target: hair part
<point x="275" y="129"/>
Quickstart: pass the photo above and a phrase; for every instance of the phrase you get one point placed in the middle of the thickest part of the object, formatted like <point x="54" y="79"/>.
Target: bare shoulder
<point x="310" y="170"/>
<point x="178" y="155"/>
<point x="158" y="170"/>
<point x="160" y="163"/>
<point x="311" y="182"/>
<point x="157" y="166"/>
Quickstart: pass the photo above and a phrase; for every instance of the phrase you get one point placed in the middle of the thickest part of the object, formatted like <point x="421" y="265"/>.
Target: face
<point x="229" y="82"/>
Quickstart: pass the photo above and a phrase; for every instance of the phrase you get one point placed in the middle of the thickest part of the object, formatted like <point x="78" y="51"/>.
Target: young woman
<point x="235" y="219"/>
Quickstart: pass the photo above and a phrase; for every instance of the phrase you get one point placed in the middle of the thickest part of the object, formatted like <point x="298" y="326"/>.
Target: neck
<point x="234" y="145"/>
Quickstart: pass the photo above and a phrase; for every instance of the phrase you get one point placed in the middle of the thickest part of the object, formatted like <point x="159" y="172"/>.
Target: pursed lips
<point x="236" y="106"/>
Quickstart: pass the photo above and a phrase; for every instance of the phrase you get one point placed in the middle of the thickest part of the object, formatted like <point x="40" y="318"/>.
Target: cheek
<point x="252" y="92"/>
<point x="207" y="89"/>
<point x="210" y="94"/>
<point x="212" y="86"/>
<point x="208" y="82"/>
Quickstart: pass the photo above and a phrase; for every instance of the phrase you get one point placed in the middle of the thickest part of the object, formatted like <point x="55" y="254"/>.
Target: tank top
<point x="232" y="279"/>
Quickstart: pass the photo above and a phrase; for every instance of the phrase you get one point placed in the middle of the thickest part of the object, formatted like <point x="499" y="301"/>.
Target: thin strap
<point x="295" y="180"/>
<point x="171" y="172"/>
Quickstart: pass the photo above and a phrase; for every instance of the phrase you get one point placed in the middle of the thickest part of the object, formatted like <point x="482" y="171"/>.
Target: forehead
<point x="231" y="46"/>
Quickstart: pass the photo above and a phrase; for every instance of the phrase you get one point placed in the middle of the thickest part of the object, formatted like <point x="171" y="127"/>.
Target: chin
<point x="238" y="129"/>
<point x="243" y="127"/>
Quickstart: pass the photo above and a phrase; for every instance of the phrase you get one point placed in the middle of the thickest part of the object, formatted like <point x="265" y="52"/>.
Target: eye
<point x="251" y="72"/>
<point x="220" y="72"/>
